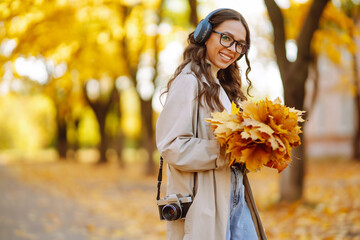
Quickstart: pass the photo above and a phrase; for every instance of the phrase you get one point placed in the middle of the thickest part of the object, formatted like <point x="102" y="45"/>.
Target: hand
<point x="223" y="159"/>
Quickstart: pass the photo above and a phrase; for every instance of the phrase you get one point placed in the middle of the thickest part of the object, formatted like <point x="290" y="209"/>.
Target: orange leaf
<point x="255" y="157"/>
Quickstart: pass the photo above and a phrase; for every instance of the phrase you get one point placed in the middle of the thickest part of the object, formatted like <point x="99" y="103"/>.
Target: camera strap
<point x="160" y="179"/>
<point x="162" y="160"/>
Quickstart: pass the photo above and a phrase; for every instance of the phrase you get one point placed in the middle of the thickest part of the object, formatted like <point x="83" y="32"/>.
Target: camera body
<point x="174" y="206"/>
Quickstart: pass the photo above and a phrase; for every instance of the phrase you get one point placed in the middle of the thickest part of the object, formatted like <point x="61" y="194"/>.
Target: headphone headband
<point x="203" y="29"/>
<point x="213" y="12"/>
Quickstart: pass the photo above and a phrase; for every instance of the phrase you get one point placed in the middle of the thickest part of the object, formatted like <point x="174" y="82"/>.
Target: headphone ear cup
<point x="202" y="31"/>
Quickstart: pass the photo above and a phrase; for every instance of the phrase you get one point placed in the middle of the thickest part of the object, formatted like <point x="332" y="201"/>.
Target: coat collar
<point x="222" y="95"/>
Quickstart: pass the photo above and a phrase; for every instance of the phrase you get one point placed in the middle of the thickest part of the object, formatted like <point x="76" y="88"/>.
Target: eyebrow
<point x="231" y="35"/>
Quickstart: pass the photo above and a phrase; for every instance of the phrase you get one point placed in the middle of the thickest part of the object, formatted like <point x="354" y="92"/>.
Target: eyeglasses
<point x="227" y="41"/>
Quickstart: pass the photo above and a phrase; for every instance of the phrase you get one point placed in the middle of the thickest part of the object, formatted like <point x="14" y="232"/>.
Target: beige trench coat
<point x="185" y="154"/>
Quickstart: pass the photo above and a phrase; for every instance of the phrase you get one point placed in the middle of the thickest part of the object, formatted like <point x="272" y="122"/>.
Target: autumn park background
<point x="79" y="98"/>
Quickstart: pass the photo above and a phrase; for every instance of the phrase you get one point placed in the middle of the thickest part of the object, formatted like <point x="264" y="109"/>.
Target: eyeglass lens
<point x="228" y="41"/>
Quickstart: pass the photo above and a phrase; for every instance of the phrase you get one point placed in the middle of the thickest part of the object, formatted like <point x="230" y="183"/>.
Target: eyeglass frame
<point x="234" y="41"/>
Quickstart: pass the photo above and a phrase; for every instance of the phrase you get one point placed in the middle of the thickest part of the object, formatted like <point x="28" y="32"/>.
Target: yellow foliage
<point x="64" y="52"/>
<point x="27" y="122"/>
<point x="294" y="17"/>
<point x="131" y="118"/>
<point x="4" y="10"/>
<point x="334" y="33"/>
<point x="346" y="85"/>
<point x="88" y="35"/>
<point x="259" y="134"/>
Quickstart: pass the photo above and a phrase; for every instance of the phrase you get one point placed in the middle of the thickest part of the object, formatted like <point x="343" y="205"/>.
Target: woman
<point x="207" y="81"/>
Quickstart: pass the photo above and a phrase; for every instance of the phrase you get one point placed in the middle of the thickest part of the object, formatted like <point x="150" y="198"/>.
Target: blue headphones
<point x="204" y="28"/>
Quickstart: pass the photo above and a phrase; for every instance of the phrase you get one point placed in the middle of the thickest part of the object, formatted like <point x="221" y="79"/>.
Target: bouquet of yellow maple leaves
<point x="260" y="134"/>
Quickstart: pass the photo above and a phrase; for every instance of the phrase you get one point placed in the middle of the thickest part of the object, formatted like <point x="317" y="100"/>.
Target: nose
<point x="233" y="47"/>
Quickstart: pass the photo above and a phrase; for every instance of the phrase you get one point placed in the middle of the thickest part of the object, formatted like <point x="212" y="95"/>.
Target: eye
<point x="226" y="38"/>
<point x="241" y="45"/>
<point x="241" y="48"/>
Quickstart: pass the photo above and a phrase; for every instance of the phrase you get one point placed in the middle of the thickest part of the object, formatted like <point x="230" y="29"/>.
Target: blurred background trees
<point x="294" y="75"/>
<point x="79" y="75"/>
<point x="87" y="53"/>
<point x="314" y="28"/>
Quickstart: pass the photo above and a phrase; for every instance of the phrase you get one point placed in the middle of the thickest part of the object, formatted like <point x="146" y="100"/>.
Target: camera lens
<point x="171" y="212"/>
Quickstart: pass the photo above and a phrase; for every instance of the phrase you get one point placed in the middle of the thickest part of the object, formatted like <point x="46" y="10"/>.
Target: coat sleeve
<point x="175" y="130"/>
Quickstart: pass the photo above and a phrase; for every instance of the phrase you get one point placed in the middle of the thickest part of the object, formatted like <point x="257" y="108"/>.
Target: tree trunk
<point x="101" y="108"/>
<point x="356" y="77"/>
<point x="314" y="80"/>
<point x="101" y="117"/>
<point x="146" y="105"/>
<point x="356" y="137"/>
<point x="193" y="12"/>
<point x="148" y="140"/>
<point x="294" y="76"/>
<point x="119" y="146"/>
<point x="62" y="144"/>
<point x="118" y="140"/>
<point x="76" y="144"/>
<point x="292" y="177"/>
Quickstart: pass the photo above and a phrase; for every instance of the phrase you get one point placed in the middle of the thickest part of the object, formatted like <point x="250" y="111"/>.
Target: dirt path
<point x="73" y="201"/>
<point x="29" y="212"/>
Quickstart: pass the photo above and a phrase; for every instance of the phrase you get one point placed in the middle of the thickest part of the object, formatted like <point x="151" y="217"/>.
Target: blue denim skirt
<point x="240" y="224"/>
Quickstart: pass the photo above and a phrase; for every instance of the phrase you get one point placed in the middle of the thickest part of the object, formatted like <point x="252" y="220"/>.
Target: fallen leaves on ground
<point x="330" y="208"/>
<point x="126" y="196"/>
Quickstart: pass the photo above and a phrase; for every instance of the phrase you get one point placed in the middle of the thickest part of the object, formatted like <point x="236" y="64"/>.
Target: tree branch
<point x="193" y="12"/>
<point x="310" y="25"/>
<point x="277" y="21"/>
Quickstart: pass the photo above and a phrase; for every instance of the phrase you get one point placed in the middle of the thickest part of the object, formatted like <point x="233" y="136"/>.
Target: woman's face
<point x="219" y="55"/>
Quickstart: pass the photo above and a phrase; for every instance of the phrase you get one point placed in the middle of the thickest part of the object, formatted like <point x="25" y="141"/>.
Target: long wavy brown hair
<point x="230" y="78"/>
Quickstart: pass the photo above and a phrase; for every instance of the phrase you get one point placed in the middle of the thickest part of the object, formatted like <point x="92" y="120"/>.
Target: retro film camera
<point x="174" y="206"/>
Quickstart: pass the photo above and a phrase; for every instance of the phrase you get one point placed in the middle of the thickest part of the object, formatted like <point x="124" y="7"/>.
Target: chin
<point x="223" y="65"/>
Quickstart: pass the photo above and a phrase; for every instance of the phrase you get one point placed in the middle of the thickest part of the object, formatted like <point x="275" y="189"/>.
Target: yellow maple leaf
<point x="273" y="143"/>
<point x="234" y="109"/>
<point x="252" y="110"/>
<point x="219" y="116"/>
<point x="280" y="166"/>
<point x="255" y="157"/>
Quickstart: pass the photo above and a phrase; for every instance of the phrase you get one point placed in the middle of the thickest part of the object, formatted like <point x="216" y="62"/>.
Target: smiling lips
<point x="224" y="56"/>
